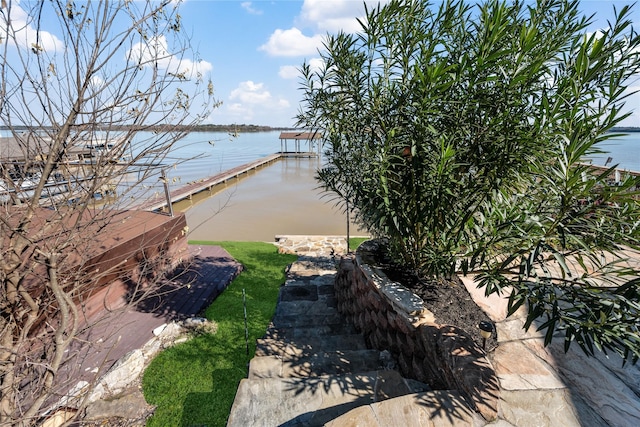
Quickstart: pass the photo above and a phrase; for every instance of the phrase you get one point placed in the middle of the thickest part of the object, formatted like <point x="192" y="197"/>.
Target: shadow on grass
<point x="204" y="408"/>
<point x="321" y="369"/>
<point x="194" y="383"/>
<point x="190" y="288"/>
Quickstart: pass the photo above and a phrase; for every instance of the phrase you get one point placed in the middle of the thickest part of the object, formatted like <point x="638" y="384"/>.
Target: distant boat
<point x="25" y="188"/>
<point x="101" y="148"/>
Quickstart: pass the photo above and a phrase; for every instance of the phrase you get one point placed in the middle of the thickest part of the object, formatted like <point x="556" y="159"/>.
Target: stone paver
<point x="291" y="383"/>
<point x="544" y="386"/>
<point x="519" y="369"/>
<point x="312" y="367"/>
<point x="434" y="408"/>
<point x="539" y="386"/>
<point x="607" y="393"/>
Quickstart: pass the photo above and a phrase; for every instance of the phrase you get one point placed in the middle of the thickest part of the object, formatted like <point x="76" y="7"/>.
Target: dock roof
<point x="301" y="135"/>
<point x="29" y="147"/>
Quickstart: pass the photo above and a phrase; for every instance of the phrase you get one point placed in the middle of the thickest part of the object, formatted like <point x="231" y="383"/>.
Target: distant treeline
<point x="239" y="128"/>
<point x="626" y="129"/>
<point x="199" y="128"/>
<point x="235" y="128"/>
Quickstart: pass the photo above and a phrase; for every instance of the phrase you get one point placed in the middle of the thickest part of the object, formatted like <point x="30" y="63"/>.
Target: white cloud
<point x="289" y="72"/>
<point x="322" y="17"/>
<point x="248" y="6"/>
<point x="333" y="16"/>
<point x="291" y="42"/>
<point x="96" y="83"/>
<point x="25" y="35"/>
<point x="251" y="99"/>
<point x="238" y="110"/>
<point x="316" y="64"/>
<point x="250" y="93"/>
<point x="156" y="51"/>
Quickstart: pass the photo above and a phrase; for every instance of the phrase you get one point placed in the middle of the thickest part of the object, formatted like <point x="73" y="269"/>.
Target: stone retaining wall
<point x="393" y="318"/>
<point x="311" y="245"/>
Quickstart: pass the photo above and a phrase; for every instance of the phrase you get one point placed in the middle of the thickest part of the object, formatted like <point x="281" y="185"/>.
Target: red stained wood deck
<point x="186" y="294"/>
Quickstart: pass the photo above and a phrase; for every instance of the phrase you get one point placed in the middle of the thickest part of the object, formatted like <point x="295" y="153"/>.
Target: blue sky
<point x="252" y="50"/>
<point x="255" y="47"/>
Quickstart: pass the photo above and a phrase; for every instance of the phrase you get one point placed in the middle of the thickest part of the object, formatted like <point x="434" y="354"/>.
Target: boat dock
<point x="188" y="191"/>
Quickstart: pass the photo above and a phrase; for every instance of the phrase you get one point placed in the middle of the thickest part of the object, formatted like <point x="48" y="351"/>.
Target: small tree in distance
<point x="460" y="133"/>
<point x="78" y="77"/>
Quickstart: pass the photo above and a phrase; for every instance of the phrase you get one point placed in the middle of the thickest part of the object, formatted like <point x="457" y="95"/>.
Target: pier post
<point x="167" y="194"/>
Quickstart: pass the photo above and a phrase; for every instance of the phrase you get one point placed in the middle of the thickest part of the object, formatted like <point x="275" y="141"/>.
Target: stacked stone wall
<point x="311" y="245"/>
<point x="394" y="319"/>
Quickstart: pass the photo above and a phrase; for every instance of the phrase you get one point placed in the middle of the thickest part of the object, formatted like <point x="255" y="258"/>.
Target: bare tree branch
<point x="93" y="96"/>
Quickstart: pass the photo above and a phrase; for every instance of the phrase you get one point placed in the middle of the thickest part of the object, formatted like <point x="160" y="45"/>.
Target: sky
<point x="253" y="50"/>
<point x="256" y="47"/>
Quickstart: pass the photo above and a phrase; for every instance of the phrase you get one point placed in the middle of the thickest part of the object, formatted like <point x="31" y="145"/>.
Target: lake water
<point x="284" y="198"/>
<point x="624" y="151"/>
<point x="221" y="152"/>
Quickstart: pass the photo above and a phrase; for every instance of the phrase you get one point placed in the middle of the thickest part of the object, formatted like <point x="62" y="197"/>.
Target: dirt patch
<point x="447" y="299"/>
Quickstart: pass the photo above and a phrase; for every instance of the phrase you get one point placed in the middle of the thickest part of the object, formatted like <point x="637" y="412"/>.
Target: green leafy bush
<point x="459" y="133"/>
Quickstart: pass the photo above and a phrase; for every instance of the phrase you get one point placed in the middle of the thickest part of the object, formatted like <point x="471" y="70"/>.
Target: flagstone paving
<point x="544" y="386"/>
<point x="311" y="369"/>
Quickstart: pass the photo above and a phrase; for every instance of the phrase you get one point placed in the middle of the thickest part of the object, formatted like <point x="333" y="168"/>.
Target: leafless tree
<point x="93" y="97"/>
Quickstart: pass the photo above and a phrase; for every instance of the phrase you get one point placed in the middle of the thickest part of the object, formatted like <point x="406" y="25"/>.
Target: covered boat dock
<point x="299" y="137"/>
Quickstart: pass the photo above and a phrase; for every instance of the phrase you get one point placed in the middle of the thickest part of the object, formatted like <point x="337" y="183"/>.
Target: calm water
<point x="222" y="152"/>
<point x="624" y="151"/>
<point x="283" y="198"/>
<point x="280" y="199"/>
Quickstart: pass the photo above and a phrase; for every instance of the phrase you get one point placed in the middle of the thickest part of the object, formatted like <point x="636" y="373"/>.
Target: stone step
<point x="312" y="266"/>
<point x="306" y="308"/>
<point x="316" y="364"/>
<point x="303" y="290"/>
<point x="442" y="408"/>
<point x="314" y="331"/>
<point x="308" y="320"/>
<point x="312" y="401"/>
<point x="293" y="347"/>
<point x="324" y="281"/>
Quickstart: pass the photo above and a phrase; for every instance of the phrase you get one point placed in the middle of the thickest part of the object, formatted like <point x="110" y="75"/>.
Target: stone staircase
<point x="312" y="368"/>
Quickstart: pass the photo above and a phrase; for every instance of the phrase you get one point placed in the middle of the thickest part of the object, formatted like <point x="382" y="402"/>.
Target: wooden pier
<point x="187" y="192"/>
<point x="618" y="173"/>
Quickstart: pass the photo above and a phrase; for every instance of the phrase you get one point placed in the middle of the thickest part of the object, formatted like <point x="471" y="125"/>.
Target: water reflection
<point x="283" y="198"/>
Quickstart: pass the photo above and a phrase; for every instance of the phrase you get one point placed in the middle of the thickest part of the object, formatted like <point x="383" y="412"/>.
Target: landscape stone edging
<point x="318" y="245"/>
<point x="392" y="318"/>
<point x="128" y="369"/>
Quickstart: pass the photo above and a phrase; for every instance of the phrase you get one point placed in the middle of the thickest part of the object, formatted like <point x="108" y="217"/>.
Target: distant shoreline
<point x="236" y="128"/>
<point x="625" y="129"/>
<point x="242" y="128"/>
<point x="199" y="128"/>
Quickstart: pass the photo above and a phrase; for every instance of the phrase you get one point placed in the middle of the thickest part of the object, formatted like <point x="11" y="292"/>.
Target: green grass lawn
<point x="354" y="242"/>
<point x="194" y="383"/>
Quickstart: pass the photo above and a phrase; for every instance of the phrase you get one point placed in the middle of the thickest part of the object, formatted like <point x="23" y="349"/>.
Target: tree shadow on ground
<point x="328" y="384"/>
<point x="190" y="288"/>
